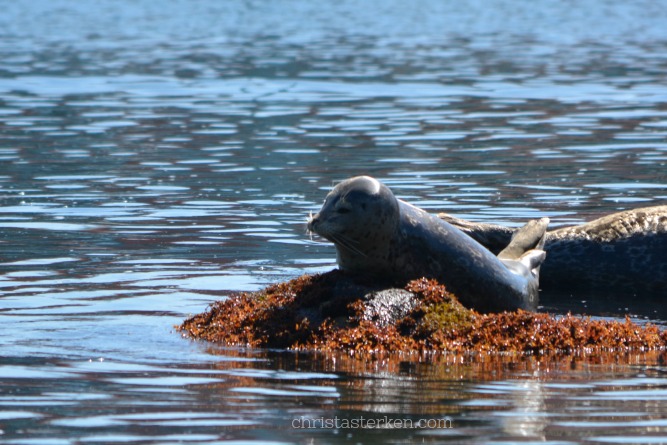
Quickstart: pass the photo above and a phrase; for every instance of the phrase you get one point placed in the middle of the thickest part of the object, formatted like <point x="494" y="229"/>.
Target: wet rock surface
<point x="385" y="307"/>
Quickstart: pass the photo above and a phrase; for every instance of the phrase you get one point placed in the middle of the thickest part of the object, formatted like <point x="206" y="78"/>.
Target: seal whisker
<point x="309" y="218"/>
<point x="346" y="242"/>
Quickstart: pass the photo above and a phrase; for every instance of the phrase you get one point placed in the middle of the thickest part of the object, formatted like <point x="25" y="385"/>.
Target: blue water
<point x="156" y="156"/>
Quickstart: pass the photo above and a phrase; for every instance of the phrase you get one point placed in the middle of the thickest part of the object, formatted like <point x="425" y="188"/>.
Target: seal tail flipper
<point x="527" y="238"/>
<point x="533" y="259"/>
<point x="492" y="236"/>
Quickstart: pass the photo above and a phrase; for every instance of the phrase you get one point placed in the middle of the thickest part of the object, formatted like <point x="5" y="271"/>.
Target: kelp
<point x="316" y="312"/>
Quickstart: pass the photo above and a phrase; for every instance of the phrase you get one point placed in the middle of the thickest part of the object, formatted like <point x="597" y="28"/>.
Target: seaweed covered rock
<point x="329" y="312"/>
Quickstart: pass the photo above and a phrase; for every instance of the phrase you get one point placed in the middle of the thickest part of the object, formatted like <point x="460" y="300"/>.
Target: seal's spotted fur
<point x="623" y="253"/>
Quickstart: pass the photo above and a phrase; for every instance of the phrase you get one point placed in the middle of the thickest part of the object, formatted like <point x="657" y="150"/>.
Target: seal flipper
<point x="527" y="238"/>
<point x="524" y="255"/>
<point x="533" y="259"/>
<point x="492" y="236"/>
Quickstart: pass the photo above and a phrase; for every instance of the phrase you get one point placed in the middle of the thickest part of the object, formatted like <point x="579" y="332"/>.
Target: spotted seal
<point x="618" y="255"/>
<point x="380" y="237"/>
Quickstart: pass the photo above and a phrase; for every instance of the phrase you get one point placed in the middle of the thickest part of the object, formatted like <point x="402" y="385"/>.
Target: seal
<point x="384" y="239"/>
<point x="619" y="255"/>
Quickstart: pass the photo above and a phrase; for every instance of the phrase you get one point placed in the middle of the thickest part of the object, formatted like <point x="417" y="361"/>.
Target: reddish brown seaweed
<point x="289" y="315"/>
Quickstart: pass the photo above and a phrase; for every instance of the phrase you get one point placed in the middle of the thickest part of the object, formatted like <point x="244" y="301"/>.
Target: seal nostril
<point x="313" y="222"/>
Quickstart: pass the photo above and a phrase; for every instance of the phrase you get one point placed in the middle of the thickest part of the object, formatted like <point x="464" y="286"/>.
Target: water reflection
<point x="248" y="395"/>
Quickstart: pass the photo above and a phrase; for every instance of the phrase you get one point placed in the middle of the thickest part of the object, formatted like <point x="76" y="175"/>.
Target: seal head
<point x="360" y="216"/>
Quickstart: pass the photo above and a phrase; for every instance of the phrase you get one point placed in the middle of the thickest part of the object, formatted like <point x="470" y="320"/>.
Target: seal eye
<point x="343" y="210"/>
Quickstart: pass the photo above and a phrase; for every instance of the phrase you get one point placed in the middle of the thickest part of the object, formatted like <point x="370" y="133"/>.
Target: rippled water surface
<point x="158" y="155"/>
